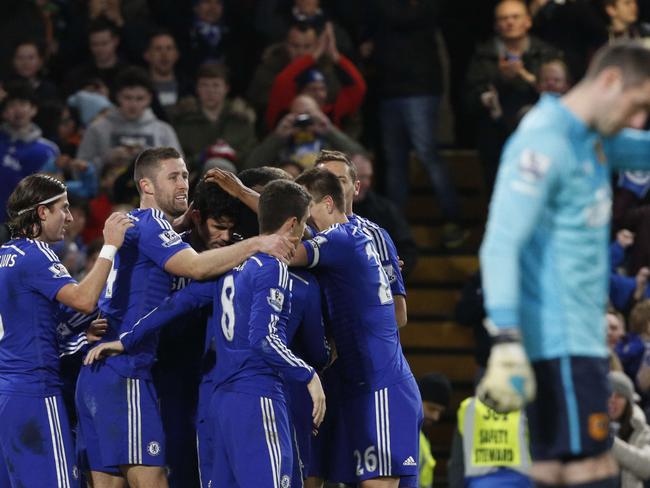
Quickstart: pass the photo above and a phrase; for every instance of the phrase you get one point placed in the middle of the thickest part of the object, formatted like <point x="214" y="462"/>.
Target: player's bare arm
<point x="233" y="186"/>
<point x="83" y="296"/>
<point x="215" y="262"/>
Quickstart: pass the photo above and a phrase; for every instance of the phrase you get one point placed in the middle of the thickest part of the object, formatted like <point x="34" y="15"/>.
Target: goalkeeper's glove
<point x="509" y="382"/>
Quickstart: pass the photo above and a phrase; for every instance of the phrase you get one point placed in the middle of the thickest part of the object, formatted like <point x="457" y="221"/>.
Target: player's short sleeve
<point x="45" y="274"/>
<point x="326" y="249"/>
<point x="158" y="241"/>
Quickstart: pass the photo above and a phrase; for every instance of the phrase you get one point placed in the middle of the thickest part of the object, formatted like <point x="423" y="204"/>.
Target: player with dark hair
<point x="120" y="425"/>
<point x="35" y="437"/>
<point x="380" y="401"/>
<point x="250" y="313"/>
<point x="545" y="267"/>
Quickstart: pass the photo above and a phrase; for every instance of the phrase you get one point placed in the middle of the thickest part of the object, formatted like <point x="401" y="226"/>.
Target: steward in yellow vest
<point x="494" y="446"/>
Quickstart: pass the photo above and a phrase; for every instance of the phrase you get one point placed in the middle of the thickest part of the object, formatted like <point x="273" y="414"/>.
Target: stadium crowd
<point x="265" y="89"/>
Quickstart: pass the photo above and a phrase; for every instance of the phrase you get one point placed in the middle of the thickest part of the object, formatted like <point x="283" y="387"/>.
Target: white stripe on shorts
<point x="271" y="439"/>
<point x="58" y="449"/>
<point x="134" y="420"/>
<point x="382" y="422"/>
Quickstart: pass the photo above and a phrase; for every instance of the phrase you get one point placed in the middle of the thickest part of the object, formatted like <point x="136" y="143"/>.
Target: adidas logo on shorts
<point x="409" y="462"/>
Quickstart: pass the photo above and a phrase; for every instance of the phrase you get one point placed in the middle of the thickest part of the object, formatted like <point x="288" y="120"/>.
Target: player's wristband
<point x="108" y="252"/>
<point x="501" y="335"/>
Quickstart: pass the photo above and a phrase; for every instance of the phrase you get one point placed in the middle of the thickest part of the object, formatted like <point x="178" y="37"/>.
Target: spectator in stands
<point x="22" y="149"/>
<point x="631" y="448"/>
<point x="301" y="39"/>
<point x="274" y="17"/>
<point x="410" y="87"/>
<point x="576" y="28"/>
<point x="301" y="76"/>
<point x="130" y="127"/>
<point x="553" y="77"/>
<point x="470" y="312"/>
<point x="209" y="34"/>
<point x="91" y="102"/>
<point x="216" y="117"/>
<point x="623" y="16"/>
<point x="615" y="333"/>
<point x="300" y="135"/>
<point x="630" y="349"/>
<point x="384" y="213"/>
<point x="615" y="327"/>
<point x="489" y="449"/>
<point x="501" y="80"/>
<point x="103" y="40"/>
<point x="27" y="66"/>
<point x="435" y="391"/>
<point x="161" y="57"/>
<point x="625" y="291"/>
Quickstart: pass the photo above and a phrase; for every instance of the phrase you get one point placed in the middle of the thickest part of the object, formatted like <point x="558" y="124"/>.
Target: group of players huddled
<point x="316" y="296"/>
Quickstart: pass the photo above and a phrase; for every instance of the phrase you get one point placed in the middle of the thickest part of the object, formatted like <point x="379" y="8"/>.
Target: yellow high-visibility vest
<point x="427" y="463"/>
<point x="492" y="440"/>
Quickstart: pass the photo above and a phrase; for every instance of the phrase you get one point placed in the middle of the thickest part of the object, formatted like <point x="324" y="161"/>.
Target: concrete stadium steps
<point x="443" y="269"/>
<point x="464" y="166"/>
<point x="428" y="237"/>
<point x="427" y="301"/>
<point x="425" y="206"/>
<point x="432" y="341"/>
<point x="436" y="334"/>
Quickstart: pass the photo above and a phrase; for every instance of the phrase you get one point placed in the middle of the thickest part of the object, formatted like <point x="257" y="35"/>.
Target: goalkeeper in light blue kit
<point x="545" y="266"/>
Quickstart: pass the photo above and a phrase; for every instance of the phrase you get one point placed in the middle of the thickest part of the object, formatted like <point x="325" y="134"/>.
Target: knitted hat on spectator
<point x="435" y="388"/>
<point x="622" y="385"/>
<point x="309" y="76"/>
<point x="220" y="155"/>
<point x="89" y="104"/>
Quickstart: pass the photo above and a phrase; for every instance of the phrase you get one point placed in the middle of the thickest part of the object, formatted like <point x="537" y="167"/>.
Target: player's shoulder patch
<point x="319" y="240"/>
<point x="170" y="238"/>
<point x="58" y="270"/>
<point x="533" y="165"/>
<point x="276" y="299"/>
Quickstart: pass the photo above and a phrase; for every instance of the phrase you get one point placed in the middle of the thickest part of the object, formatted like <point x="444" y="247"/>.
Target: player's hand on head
<point x="102" y="351"/>
<point x="318" y="399"/>
<point x="115" y="227"/>
<point x="282" y="247"/>
<point x="509" y="382"/>
<point x="96" y="330"/>
<point x="226" y="180"/>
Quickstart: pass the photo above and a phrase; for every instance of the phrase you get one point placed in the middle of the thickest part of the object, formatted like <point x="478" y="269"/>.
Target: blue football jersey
<point x="31" y="275"/>
<point x="386" y="250"/>
<point x="305" y="327"/>
<point x="249" y="319"/>
<point x="360" y="307"/>
<point x="138" y="283"/>
<point x="251" y="334"/>
<point x="544" y="259"/>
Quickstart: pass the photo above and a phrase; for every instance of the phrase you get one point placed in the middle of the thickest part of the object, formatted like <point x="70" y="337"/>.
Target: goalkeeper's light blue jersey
<point x="544" y="258"/>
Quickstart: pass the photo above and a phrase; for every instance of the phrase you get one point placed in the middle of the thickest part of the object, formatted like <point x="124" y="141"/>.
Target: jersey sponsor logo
<point x="285" y="482"/>
<point x="7" y="261"/>
<point x="170" y="238"/>
<point x="59" y="271"/>
<point x="276" y="299"/>
<point x="180" y="282"/>
<point x="598" y="426"/>
<point x="533" y="166"/>
<point x="409" y="461"/>
<point x="153" y="448"/>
